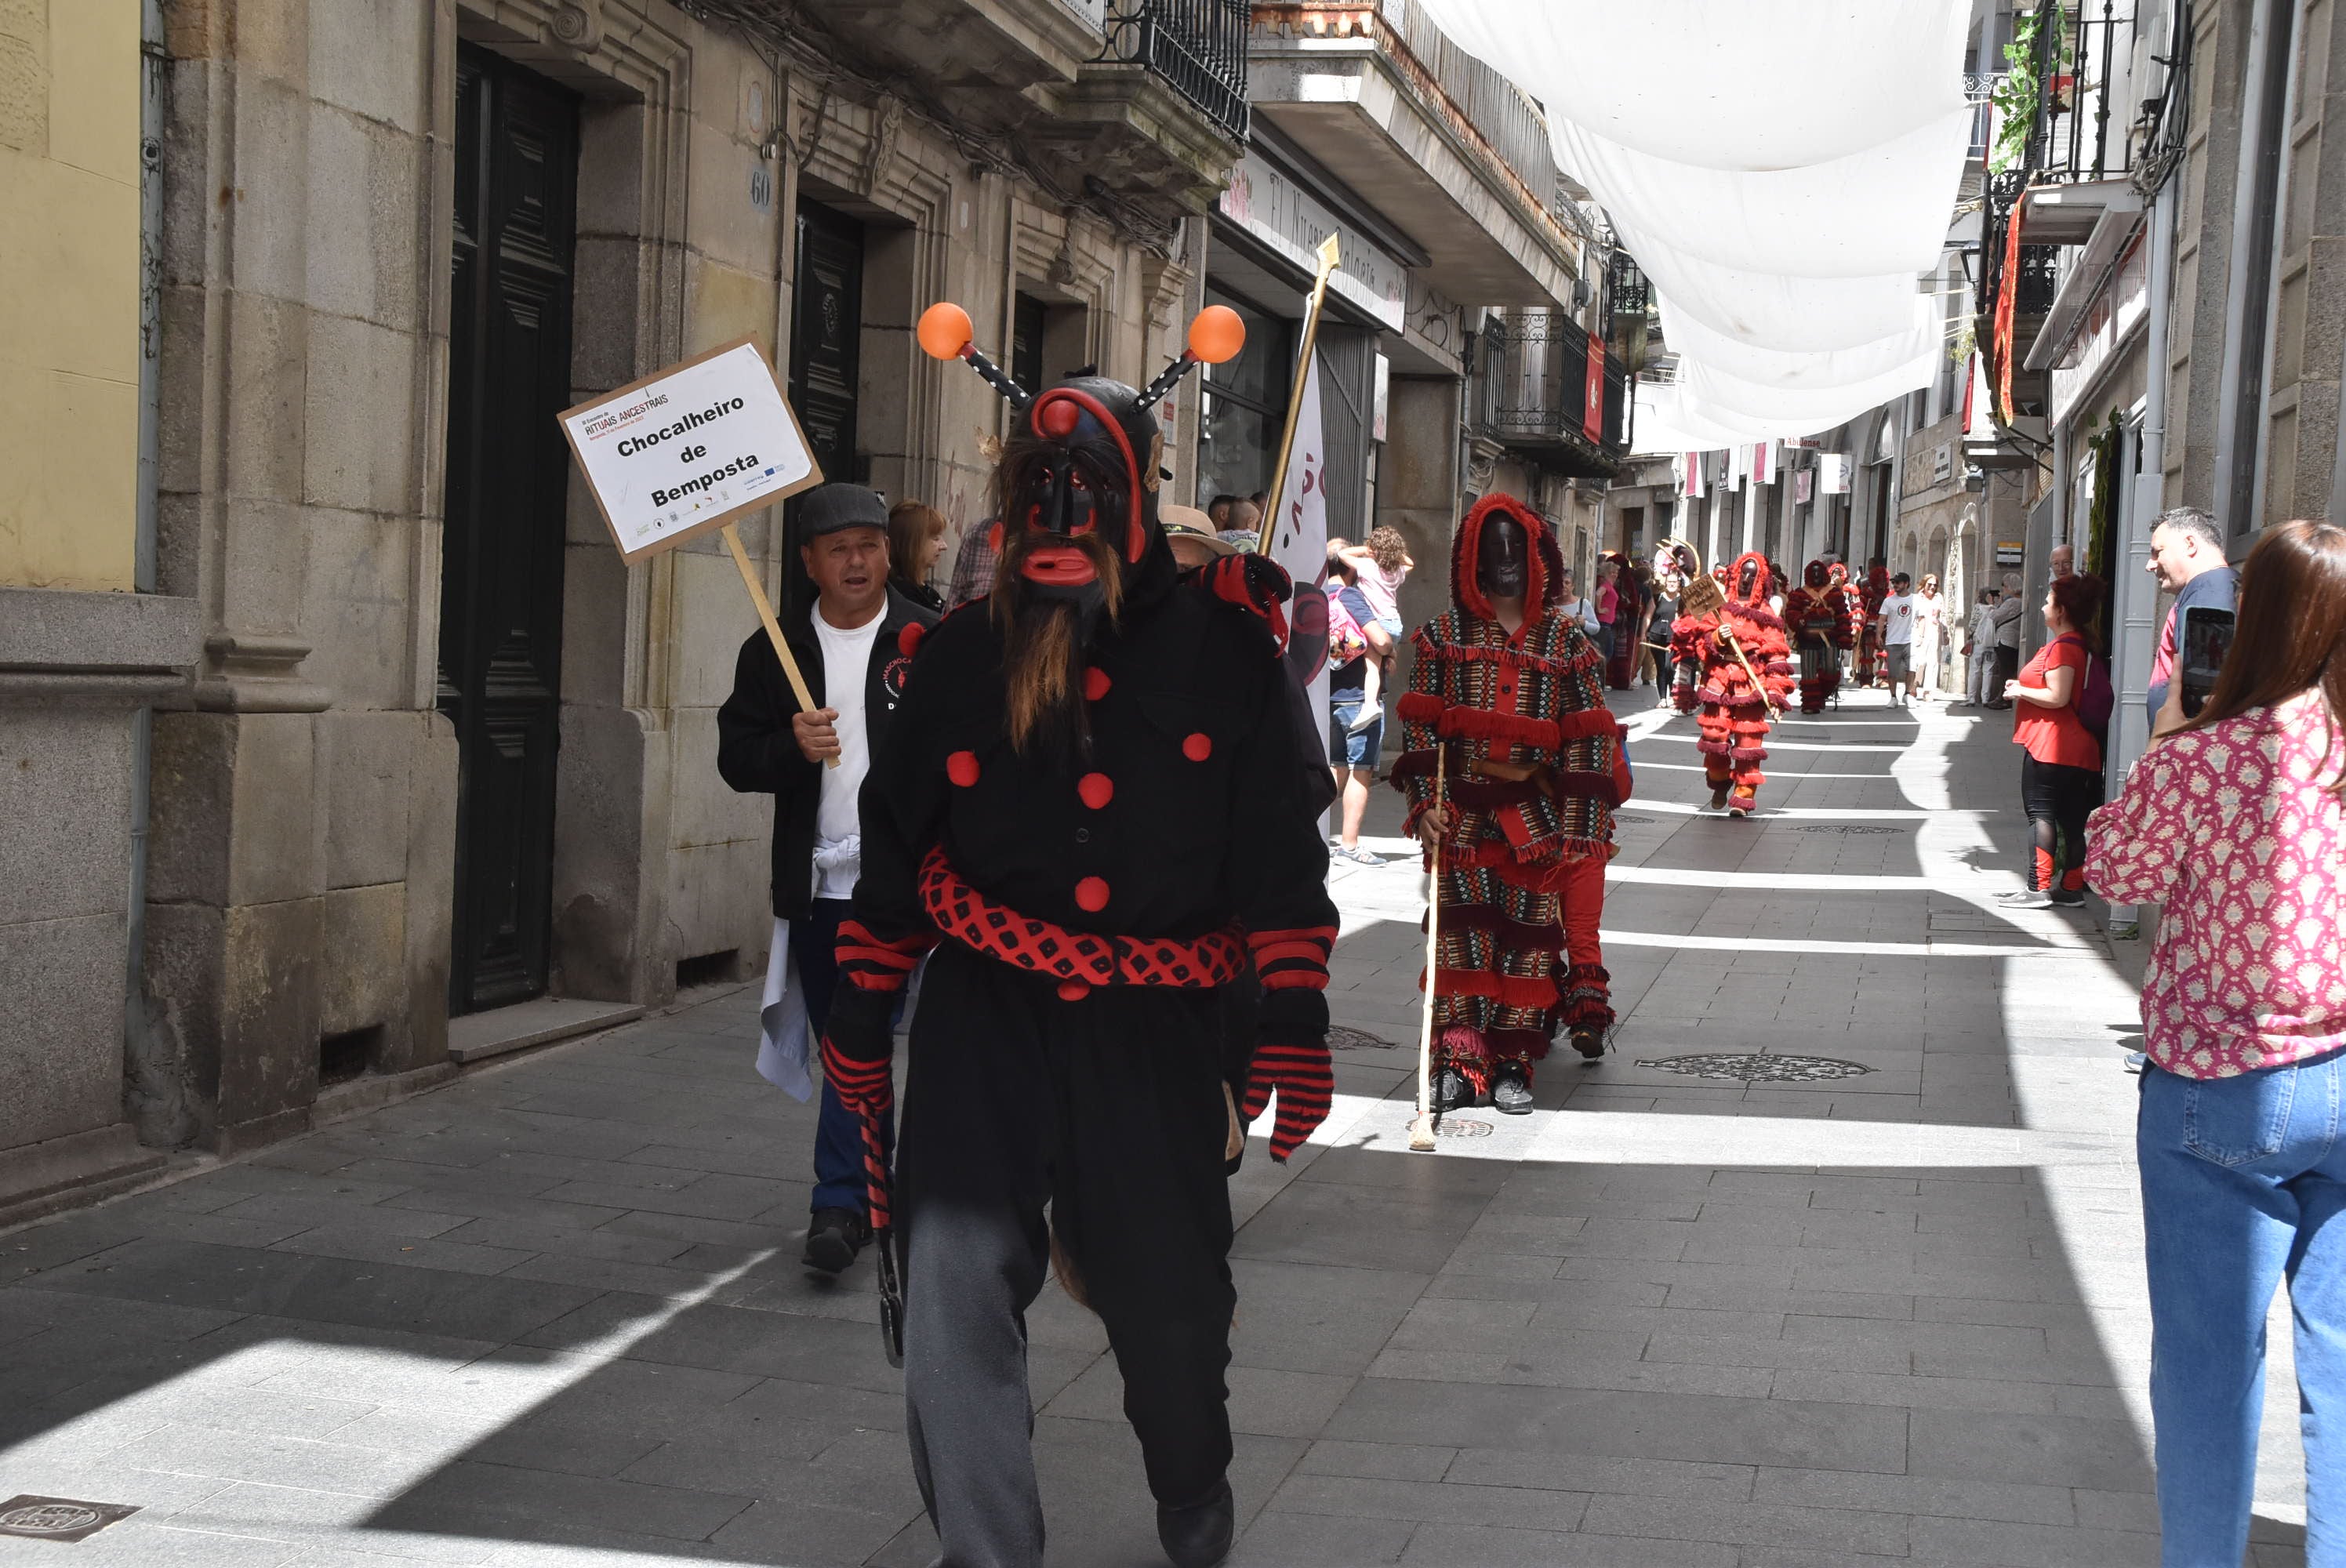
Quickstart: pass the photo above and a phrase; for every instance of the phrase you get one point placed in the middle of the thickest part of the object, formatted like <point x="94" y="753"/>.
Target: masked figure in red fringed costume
<point x="1095" y="807"/>
<point x="1534" y="764"/>
<point x="1817" y="613"/>
<point x="1745" y="673"/>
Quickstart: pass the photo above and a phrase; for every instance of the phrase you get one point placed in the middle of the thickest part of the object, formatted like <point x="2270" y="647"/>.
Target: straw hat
<point x="1189" y="523"/>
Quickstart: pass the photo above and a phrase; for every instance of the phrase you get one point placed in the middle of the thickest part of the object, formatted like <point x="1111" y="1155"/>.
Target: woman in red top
<point x="2061" y="776"/>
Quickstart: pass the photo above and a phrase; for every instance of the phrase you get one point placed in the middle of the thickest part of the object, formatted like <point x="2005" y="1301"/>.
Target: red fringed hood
<point x="1544" y="583"/>
<point x="1761" y="582"/>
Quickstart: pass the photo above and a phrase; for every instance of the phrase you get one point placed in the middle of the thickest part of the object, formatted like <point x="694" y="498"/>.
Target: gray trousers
<point x="1108" y="1112"/>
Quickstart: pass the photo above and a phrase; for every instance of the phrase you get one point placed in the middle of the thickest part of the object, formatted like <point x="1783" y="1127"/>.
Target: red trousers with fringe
<point x="1520" y="959"/>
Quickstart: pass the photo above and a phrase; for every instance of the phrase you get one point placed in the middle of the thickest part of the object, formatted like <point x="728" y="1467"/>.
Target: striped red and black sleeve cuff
<point x="1283" y="958"/>
<point x="871" y="962"/>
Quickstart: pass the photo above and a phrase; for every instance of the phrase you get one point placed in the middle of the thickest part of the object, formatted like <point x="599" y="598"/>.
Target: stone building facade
<point x="424" y="749"/>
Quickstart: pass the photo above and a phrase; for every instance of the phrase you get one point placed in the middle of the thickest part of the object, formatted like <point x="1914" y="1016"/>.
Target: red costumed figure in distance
<point x="1746" y="678"/>
<point x="1513" y="692"/>
<point x="1816" y="612"/>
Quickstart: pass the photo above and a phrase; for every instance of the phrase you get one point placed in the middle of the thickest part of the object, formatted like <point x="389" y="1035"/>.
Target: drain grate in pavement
<point x="1848" y="833"/>
<point x="1457" y="1127"/>
<point x="1760" y="1068"/>
<point x="1623" y="819"/>
<point x="59" y="1518"/>
<point x="1343" y="1037"/>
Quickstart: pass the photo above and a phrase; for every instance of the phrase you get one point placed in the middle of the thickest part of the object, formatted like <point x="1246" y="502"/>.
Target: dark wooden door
<point x="826" y="328"/>
<point x="507" y="473"/>
<point x="826" y="332"/>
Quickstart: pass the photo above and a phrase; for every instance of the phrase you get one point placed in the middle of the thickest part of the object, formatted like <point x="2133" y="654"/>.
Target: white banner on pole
<point x="1300" y="544"/>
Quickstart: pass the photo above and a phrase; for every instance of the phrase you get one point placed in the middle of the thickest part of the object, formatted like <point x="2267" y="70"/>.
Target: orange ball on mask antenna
<point x="1217" y="333"/>
<point x="944" y="331"/>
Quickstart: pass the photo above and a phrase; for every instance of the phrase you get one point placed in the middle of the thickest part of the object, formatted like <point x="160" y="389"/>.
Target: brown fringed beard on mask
<point x="1041" y="656"/>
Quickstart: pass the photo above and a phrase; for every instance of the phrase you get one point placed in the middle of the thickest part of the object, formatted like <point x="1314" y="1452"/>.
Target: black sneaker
<point x="1511" y="1090"/>
<point x="2068" y="898"/>
<point x="1198" y="1536"/>
<point x="834" y="1237"/>
<point x="1451" y="1090"/>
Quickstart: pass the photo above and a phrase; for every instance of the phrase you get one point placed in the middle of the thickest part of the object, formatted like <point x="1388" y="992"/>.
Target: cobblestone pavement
<point x="1880" y="1303"/>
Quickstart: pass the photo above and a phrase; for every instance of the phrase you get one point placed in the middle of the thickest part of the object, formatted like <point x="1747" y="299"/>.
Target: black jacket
<point x="1202" y="813"/>
<point x="757" y="754"/>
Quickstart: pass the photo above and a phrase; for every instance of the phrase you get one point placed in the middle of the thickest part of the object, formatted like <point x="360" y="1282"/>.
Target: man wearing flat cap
<point x="854" y="646"/>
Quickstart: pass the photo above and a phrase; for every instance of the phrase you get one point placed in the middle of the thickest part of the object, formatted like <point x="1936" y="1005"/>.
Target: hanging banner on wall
<point x="1592" y="402"/>
<point x="691" y="448"/>
<point x="1834" y="468"/>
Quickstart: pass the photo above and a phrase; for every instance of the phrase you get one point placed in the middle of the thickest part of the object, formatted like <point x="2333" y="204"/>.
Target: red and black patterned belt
<point x="1077" y="960"/>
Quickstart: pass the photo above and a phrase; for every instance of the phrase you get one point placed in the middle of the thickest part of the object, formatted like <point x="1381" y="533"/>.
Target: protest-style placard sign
<point x="696" y="446"/>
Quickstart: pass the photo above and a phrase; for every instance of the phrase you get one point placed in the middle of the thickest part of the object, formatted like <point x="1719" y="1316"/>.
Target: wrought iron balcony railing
<point x="1544" y="383"/>
<point x="2066" y="109"/>
<point x="1198" y="47"/>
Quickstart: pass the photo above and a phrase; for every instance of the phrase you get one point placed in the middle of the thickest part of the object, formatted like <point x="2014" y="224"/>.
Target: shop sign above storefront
<point x="1270" y="206"/>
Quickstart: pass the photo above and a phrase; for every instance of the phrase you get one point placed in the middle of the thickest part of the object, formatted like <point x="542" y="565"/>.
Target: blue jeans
<point x="2243" y="1180"/>
<point x="839" y="1132"/>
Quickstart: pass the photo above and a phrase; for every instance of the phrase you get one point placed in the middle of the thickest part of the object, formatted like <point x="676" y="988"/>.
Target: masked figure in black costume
<point x="1095" y="809"/>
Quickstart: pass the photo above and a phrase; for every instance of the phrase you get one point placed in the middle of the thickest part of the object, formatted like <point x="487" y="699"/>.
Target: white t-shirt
<point x="846" y="659"/>
<point x="1898" y="619"/>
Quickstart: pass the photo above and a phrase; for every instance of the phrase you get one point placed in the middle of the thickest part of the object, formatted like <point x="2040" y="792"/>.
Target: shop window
<point x="1244" y="405"/>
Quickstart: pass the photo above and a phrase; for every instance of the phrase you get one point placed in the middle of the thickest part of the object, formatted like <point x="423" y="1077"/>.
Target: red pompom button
<point x="962" y="767"/>
<point x="1199" y="747"/>
<point x="1074" y="989"/>
<point x="1091" y="895"/>
<point x="908" y="641"/>
<point x="1057" y="419"/>
<point x="1097" y="789"/>
<point x="1095" y="683"/>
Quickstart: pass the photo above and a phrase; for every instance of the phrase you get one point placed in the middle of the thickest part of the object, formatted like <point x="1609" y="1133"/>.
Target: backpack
<point x="2095" y="698"/>
<point x="1346" y="641"/>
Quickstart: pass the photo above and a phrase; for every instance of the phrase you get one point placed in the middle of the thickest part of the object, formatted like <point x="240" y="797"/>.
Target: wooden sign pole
<point x="1295" y="398"/>
<point x="773" y="627"/>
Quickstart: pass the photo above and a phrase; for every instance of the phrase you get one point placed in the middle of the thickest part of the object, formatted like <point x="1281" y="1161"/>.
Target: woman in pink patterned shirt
<point x="2233" y="823"/>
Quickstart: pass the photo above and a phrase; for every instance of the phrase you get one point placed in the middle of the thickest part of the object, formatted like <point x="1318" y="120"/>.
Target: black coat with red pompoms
<point x="1186" y="810"/>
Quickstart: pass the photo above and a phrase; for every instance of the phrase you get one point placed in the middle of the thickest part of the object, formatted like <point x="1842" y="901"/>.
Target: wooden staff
<point x="1295" y="398"/>
<point x="773" y="628"/>
<point x="1421" y="1128"/>
<point x="1736" y="647"/>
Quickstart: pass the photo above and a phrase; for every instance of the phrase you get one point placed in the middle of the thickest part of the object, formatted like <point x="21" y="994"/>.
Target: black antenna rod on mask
<point x="944" y="333"/>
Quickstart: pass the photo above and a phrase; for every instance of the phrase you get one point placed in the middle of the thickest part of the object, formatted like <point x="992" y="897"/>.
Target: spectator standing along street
<point x="846" y="646"/>
<point x="917" y="537"/>
<point x="1608" y="608"/>
<point x="1576" y="608"/>
<point x="2061" y="774"/>
<point x="2187" y="556"/>
<point x="1353" y="745"/>
<point x="2011" y="611"/>
<point x="2232" y="824"/>
<point x="1978" y="650"/>
<point x="1897" y="618"/>
<point x="973" y="572"/>
<point x="1929" y="638"/>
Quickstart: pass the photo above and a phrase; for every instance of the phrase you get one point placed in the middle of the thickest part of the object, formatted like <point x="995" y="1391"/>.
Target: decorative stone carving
<point x="577" y="23"/>
<point x="887" y="130"/>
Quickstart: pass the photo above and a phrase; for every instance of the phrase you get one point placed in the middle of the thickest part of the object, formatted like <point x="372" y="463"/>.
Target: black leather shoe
<point x="1588" y="1039"/>
<point x="1198" y="1536"/>
<point x="1451" y="1090"/>
<point x="1510" y="1091"/>
<point x="834" y="1237"/>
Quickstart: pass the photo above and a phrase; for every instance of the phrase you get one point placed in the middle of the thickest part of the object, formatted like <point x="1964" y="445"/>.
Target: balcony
<point x="1547" y="388"/>
<point x="1160" y="112"/>
<point x="1144" y="100"/>
<point x="1455" y="156"/>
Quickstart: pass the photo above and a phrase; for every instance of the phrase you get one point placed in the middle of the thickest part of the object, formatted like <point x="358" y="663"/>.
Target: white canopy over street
<point x="1782" y="172"/>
